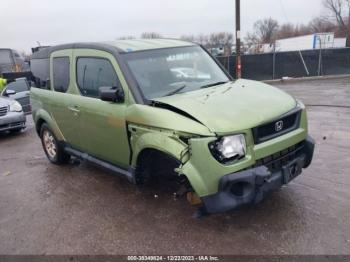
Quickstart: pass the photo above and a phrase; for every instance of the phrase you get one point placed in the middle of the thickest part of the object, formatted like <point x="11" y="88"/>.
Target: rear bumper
<point x="253" y="185"/>
<point x="12" y="120"/>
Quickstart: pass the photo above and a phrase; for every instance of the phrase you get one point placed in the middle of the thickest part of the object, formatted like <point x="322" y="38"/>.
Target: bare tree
<point x="340" y="10"/>
<point x="150" y="35"/>
<point x="223" y="39"/>
<point x="286" y="31"/>
<point x="190" y="38"/>
<point x="266" y="30"/>
<point x="302" y="29"/>
<point x="251" y="39"/>
<point x="322" y="25"/>
<point x="202" y="39"/>
<point x="25" y="55"/>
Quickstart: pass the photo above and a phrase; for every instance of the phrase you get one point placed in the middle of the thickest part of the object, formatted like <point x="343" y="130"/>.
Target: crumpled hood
<point x="234" y="106"/>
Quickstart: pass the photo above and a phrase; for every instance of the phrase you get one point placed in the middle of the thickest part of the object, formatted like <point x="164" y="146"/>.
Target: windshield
<point x="169" y="71"/>
<point x="18" y="86"/>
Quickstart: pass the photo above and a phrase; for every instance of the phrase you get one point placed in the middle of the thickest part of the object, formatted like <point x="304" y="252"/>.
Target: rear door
<point x="62" y="103"/>
<point x="104" y="129"/>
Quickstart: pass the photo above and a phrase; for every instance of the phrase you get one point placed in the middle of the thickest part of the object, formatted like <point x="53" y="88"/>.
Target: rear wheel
<point x="53" y="150"/>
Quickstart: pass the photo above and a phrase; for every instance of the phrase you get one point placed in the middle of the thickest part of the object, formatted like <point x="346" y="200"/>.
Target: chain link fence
<point x="305" y="63"/>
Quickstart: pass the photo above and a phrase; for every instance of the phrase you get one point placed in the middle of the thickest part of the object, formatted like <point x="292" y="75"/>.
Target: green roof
<point x="147" y="44"/>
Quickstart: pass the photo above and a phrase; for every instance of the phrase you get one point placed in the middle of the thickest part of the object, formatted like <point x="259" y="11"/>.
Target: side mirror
<point x="10" y="92"/>
<point x="112" y="94"/>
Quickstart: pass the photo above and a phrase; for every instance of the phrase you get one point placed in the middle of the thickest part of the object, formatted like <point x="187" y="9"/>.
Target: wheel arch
<point x="38" y="125"/>
<point x="159" y="142"/>
<point x="152" y="162"/>
<point x="161" y="152"/>
<point x="41" y="117"/>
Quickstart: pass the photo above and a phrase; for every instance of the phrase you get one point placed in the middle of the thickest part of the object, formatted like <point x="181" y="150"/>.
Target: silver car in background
<point x="19" y="90"/>
<point x="12" y="117"/>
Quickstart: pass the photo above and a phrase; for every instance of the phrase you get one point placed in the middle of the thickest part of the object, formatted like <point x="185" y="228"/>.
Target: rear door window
<point x="93" y="73"/>
<point x="60" y="74"/>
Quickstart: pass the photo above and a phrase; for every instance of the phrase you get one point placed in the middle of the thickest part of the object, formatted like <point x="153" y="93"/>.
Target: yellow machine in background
<point x="3" y="83"/>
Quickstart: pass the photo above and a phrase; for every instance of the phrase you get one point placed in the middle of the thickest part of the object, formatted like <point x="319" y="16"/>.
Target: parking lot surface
<point x="81" y="209"/>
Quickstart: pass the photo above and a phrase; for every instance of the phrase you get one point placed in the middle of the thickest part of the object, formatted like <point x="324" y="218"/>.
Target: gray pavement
<point x="80" y="209"/>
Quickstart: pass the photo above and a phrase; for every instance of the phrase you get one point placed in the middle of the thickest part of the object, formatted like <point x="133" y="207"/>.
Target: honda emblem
<point x="279" y="126"/>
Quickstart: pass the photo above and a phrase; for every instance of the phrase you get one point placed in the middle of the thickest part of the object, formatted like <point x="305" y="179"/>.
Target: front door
<point x="103" y="130"/>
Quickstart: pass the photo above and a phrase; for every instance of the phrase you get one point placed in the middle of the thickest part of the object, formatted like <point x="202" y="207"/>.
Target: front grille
<point x="278" y="160"/>
<point x="3" y="111"/>
<point x="16" y="124"/>
<point x="278" y="127"/>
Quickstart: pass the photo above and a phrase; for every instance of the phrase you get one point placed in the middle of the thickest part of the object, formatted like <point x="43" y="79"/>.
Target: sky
<point x="51" y="22"/>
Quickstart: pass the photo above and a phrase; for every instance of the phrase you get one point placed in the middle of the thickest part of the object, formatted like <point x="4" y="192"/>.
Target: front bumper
<point x="12" y="120"/>
<point x="253" y="185"/>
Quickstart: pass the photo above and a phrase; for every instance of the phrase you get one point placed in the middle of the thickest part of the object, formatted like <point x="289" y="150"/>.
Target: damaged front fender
<point x="169" y="133"/>
<point x="169" y="143"/>
<point x="142" y="138"/>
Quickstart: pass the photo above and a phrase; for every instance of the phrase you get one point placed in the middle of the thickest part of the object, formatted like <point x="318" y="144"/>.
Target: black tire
<point x="52" y="148"/>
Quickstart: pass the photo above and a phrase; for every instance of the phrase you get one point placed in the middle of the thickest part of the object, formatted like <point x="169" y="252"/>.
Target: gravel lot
<point x="80" y="209"/>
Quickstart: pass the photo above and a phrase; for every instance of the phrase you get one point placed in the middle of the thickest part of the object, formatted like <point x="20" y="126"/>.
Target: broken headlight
<point x="228" y="148"/>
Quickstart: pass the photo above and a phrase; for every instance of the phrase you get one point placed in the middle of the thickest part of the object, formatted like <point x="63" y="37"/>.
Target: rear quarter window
<point x="40" y="71"/>
<point x="60" y="67"/>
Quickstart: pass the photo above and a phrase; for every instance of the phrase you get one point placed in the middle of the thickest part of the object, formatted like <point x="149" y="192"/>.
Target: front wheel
<point x="53" y="150"/>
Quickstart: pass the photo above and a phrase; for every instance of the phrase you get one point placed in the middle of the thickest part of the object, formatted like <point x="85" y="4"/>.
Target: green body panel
<point x="40" y="111"/>
<point x="164" y="119"/>
<point x="182" y="127"/>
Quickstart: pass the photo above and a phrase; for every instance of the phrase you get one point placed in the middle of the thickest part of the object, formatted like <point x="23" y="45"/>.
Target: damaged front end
<point x="167" y="143"/>
<point x="254" y="184"/>
<point x="159" y="142"/>
<point x="224" y="186"/>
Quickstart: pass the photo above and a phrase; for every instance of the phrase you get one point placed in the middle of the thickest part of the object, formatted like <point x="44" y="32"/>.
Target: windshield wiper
<point x="176" y="90"/>
<point x="215" y="84"/>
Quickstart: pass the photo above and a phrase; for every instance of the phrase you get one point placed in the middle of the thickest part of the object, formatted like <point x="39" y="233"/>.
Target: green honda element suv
<point x="166" y="108"/>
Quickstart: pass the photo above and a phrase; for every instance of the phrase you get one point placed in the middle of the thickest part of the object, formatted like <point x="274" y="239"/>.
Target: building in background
<point x="308" y="42"/>
<point x="299" y="43"/>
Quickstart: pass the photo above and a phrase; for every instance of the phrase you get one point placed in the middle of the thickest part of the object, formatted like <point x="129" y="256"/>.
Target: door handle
<point x="74" y="109"/>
